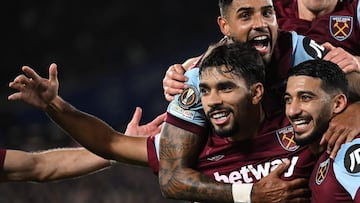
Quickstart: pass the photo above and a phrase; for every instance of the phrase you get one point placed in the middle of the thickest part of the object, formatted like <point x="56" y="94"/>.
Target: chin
<point x="305" y="139"/>
<point x="226" y="132"/>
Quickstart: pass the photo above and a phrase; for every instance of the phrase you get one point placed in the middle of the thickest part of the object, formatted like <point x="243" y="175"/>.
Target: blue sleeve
<point x="305" y="49"/>
<point x="347" y="166"/>
<point x="187" y="105"/>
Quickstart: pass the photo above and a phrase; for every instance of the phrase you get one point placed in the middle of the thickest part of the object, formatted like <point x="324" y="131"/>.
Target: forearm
<point x="66" y="163"/>
<point x="50" y="165"/>
<point x="179" y="151"/>
<point x="188" y="184"/>
<point x="88" y="130"/>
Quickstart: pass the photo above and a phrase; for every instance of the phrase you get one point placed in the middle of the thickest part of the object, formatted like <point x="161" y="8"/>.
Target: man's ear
<point x="257" y="92"/>
<point x="223" y="24"/>
<point x="340" y="103"/>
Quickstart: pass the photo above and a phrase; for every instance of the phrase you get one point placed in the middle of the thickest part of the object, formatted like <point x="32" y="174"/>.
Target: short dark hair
<point x="333" y="79"/>
<point x="224" y="5"/>
<point x="240" y="59"/>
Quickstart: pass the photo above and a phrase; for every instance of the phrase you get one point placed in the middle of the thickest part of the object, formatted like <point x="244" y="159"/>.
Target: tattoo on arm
<point x="179" y="151"/>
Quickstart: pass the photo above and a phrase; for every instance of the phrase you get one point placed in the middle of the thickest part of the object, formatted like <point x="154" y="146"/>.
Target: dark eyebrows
<point x="203" y="85"/>
<point x="301" y="93"/>
<point x="252" y="9"/>
<point x="267" y="7"/>
<point x="244" y="9"/>
<point x="218" y="85"/>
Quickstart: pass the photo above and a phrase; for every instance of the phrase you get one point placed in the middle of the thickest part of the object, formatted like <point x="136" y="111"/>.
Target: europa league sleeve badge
<point x="189" y="97"/>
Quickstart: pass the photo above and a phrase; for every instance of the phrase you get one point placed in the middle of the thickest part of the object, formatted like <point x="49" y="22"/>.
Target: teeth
<point x="300" y="122"/>
<point x="219" y="115"/>
<point x="260" y="38"/>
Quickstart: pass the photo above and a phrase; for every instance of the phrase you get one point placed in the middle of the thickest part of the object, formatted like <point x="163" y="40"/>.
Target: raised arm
<point x="50" y="165"/>
<point x="89" y="131"/>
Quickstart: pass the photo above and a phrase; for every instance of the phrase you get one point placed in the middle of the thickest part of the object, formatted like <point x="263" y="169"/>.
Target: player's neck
<point x="253" y="127"/>
<point x="316" y="148"/>
<point x="307" y="14"/>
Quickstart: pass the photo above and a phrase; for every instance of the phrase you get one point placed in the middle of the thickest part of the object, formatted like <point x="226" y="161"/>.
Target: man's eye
<point x="226" y="89"/>
<point x="287" y="100"/>
<point x="268" y="13"/>
<point x="203" y="91"/>
<point x="244" y="16"/>
<point x="305" y="98"/>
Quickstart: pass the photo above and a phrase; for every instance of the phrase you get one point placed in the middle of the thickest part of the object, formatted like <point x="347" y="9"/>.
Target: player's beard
<point x="316" y="133"/>
<point x="227" y="131"/>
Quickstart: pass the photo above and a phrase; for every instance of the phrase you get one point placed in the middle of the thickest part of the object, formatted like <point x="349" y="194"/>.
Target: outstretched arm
<point x="89" y="131"/>
<point x="50" y="165"/>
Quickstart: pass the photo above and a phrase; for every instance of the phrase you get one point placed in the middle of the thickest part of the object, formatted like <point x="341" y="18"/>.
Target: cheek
<point x="240" y="34"/>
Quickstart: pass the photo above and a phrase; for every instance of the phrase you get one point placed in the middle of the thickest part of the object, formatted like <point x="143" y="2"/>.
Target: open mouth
<point x="301" y="125"/>
<point x="261" y="43"/>
<point x="219" y="117"/>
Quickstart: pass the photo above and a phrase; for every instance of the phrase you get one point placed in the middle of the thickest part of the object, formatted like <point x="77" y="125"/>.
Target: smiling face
<point x="228" y="103"/>
<point x="251" y="21"/>
<point x="308" y="107"/>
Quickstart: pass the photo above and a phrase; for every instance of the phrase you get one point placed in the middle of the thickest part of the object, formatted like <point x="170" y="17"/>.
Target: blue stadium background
<point x="111" y="56"/>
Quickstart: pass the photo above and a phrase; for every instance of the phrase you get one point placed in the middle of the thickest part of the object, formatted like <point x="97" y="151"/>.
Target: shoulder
<point x="347" y="166"/>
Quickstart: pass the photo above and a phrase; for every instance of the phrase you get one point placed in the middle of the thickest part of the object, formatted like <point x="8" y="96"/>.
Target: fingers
<point x="53" y="72"/>
<point x="281" y="168"/>
<point x="158" y="120"/>
<point x="168" y="97"/>
<point x="174" y="80"/>
<point x="29" y="72"/>
<point x="15" y="96"/>
<point x="346" y="61"/>
<point x="135" y="120"/>
<point x="19" y="82"/>
<point x="298" y="183"/>
<point x="328" y="46"/>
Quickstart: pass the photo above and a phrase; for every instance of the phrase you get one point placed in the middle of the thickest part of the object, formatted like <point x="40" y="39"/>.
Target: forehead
<point x="251" y="4"/>
<point x="303" y="83"/>
<point x="215" y="75"/>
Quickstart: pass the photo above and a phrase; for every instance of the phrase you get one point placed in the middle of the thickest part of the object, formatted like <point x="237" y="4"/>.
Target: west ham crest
<point x="286" y="138"/>
<point x="322" y="171"/>
<point x="189" y="97"/>
<point x="341" y="27"/>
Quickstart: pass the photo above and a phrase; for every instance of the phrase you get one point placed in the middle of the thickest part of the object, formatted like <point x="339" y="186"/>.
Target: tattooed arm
<point x="179" y="150"/>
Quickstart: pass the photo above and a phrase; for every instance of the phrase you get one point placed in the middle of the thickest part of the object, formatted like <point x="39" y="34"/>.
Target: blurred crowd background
<point x="111" y="56"/>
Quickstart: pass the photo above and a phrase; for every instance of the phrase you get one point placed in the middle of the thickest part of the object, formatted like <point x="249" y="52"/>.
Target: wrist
<point x="242" y="192"/>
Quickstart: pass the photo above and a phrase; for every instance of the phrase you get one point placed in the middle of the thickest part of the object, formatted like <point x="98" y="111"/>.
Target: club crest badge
<point x="322" y="171"/>
<point x="341" y="27"/>
<point x="189" y="97"/>
<point x="286" y="138"/>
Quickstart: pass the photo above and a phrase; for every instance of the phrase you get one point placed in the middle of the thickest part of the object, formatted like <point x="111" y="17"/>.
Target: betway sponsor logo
<point x="248" y="173"/>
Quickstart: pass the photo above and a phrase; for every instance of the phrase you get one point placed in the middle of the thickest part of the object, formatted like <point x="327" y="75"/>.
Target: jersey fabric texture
<point x="2" y="158"/>
<point x="341" y="27"/>
<point x="338" y="180"/>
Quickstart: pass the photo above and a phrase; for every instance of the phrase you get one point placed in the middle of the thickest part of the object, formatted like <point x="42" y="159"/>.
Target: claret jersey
<point x="341" y="27"/>
<point x="338" y="180"/>
<point x="221" y="159"/>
